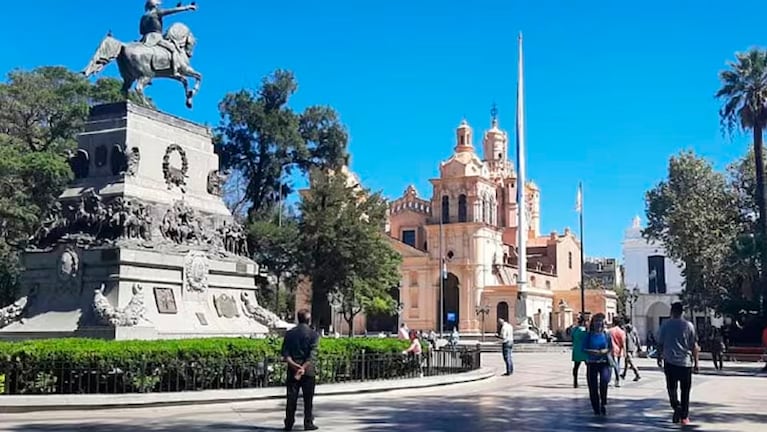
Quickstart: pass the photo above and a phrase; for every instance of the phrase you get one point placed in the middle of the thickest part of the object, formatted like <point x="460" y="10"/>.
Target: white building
<point x="656" y="279"/>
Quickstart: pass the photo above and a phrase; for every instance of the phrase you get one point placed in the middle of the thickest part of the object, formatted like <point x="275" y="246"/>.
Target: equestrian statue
<point x="156" y="55"/>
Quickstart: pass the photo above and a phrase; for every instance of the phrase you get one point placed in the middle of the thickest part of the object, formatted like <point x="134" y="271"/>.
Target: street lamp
<point x="398" y="307"/>
<point x="632" y="298"/>
<point x="482" y="310"/>
<point x="335" y="300"/>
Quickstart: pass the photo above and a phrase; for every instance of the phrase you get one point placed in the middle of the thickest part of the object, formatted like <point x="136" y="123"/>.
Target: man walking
<point x="299" y="350"/>
<point x="678" y="349"/>
<point x="507" y="336"/>
<point x="618" y="339"/>
<point x="578" y="333"/>
<point x="632" y="347"/>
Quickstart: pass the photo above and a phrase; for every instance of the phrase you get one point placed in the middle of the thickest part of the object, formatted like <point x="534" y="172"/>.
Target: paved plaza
<point x="539" y="397"/>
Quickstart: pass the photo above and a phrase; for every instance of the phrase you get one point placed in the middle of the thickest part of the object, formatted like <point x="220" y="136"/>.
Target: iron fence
<point x="103" y="377"/>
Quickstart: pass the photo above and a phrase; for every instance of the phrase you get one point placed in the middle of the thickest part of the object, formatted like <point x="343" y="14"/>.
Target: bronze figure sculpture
<point x="156" y="55"/>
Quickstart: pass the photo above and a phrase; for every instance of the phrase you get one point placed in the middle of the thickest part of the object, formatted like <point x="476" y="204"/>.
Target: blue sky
<point x="613" y="87"/>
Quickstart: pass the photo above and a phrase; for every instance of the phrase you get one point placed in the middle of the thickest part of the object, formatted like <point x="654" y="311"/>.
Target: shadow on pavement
<point x="500" y="413"/>
<point x="461" y="413"/>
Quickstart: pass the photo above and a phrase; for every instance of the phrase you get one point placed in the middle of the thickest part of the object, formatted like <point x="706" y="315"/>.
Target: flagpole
<point x="441" y="264"/>
<point x="583" y="279"/>
<point x="521" y="195"/>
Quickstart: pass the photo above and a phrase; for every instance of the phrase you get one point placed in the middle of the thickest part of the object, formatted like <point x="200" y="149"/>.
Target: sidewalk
<point x="31" y="403"/>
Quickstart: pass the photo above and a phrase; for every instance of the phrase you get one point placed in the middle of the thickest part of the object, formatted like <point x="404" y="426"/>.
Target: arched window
<point x="462" y="208"/>
<point x="445" y="209"/>
<point x="570" y="260"/>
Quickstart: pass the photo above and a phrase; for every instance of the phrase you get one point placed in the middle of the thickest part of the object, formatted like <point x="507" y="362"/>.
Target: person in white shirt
<point x="507" y="336"/>
<point x="404" y="332"/>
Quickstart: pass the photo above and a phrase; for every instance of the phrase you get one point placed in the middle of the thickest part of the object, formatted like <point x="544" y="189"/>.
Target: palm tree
<point x="744" y="96"/>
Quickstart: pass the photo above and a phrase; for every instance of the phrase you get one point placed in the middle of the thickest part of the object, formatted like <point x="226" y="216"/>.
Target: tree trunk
<point x="761" y="203"/>
<point x="350" y="322"/>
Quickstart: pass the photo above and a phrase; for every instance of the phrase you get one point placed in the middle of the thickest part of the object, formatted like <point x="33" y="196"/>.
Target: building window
<point x="570" y="260"/>
<point x="445" y="209"/>
<point x="408" y="237"/>
<point x="462" y="208"/>
<point x="656" y="274"/>
<point x="548" y="285"/>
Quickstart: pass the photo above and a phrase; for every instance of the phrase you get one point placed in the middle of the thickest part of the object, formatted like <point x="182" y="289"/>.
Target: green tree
<point x="275" y="246"/>
<point x="262" y="140"/>
<point x="744" y="96"/>
<point x="741" y="271"/>
<point x="693" y="214"/>
<point x="42" y="112"/>
<point x="345" y="251"/>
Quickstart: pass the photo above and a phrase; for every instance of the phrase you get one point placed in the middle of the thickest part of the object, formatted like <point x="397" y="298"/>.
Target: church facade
<point x="459" y="248"/>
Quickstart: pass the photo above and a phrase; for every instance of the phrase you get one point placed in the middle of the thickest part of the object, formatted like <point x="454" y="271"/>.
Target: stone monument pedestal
<point x="141" y="245"/>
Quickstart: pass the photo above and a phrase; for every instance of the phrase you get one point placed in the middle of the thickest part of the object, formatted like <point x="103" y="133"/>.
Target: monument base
<point x="141" y="244"/>
<point x="525" y="335"/>
<point x="121" y="293"/>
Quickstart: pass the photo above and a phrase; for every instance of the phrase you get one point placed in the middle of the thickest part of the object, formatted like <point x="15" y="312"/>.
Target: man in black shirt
<point x="299" y="350"/>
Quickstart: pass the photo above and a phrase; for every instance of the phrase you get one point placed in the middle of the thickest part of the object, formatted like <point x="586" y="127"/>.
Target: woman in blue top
<point x="598" y="346"/>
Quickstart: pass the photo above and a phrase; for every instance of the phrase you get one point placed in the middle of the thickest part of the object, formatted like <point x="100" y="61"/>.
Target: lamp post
<point x="632" y="298"/>
<point x="398" y="307"/>
<point x="336" y="301"/>
<point x="482" y="310"/>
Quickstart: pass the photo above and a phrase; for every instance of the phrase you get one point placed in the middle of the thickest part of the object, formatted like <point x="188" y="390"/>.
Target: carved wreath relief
<point x="175" y="175"/>
<point x="196" y="269"/>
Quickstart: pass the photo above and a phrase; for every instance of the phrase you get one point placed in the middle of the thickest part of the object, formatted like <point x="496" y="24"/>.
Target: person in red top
<point x="618" y="338"/>
<point x="764" y="343"/>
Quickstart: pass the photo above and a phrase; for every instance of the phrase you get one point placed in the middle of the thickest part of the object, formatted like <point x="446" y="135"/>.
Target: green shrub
<point x="98" y="366"/>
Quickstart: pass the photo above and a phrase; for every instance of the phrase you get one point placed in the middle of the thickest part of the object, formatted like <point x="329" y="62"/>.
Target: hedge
<point x="97" y="366"/>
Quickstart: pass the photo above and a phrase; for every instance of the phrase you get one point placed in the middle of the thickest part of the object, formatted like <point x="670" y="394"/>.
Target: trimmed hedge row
<point x="96" y="366"/>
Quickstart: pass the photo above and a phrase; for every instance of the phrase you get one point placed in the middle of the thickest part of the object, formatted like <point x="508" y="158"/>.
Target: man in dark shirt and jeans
<point x="677" y="346"/>
<point x="299" y="350"/>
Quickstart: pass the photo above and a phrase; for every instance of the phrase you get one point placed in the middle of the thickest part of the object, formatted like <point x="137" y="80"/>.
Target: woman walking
<point x="598" y="346"/>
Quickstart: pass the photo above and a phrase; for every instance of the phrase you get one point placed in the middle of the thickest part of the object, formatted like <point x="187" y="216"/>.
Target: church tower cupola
<point x="496" y="146"/>
<point x="463" y="138"/>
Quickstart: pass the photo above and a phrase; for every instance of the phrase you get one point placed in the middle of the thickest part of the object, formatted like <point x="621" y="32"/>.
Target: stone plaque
<point x="201" y="318"/>
<point x="241" y="267"/>
<point x="166" y="302"/>
<point x="226" y="306"/>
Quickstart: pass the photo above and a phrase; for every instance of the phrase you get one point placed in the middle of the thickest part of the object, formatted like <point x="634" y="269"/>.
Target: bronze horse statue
<point x="139" y="63"/>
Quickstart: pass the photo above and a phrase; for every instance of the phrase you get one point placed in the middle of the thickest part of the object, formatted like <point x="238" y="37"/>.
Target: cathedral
<point x="460" y="261"/>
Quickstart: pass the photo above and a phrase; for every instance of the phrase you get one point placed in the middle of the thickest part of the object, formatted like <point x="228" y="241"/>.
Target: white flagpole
<point x="580" y="222"/>
<point x="521" y="193"/>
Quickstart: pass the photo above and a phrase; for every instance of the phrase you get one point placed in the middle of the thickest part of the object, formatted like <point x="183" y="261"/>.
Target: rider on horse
<point x="151" y="27"/>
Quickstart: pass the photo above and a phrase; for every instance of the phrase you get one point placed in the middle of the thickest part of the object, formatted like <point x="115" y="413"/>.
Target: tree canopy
<point x="694" y="214"/>
<point x="42" y="112"/>
<point x="261" y="139"/>
<point x="346" y="253"/>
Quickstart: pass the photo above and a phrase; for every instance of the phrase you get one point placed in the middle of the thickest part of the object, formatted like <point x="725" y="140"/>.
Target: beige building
<point x="470" y="219"/>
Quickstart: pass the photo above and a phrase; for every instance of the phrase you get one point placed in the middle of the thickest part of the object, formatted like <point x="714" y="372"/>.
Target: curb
<point x="33" y="403"/>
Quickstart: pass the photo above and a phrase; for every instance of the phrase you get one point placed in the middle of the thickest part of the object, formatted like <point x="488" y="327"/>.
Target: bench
<point x="745" y="354"/>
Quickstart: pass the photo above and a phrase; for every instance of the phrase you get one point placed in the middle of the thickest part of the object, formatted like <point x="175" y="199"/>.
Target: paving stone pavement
<point x="538" y="397"/>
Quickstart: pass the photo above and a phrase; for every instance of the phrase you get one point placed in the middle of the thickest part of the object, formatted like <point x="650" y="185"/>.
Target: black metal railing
<point x="101" y="377"/>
